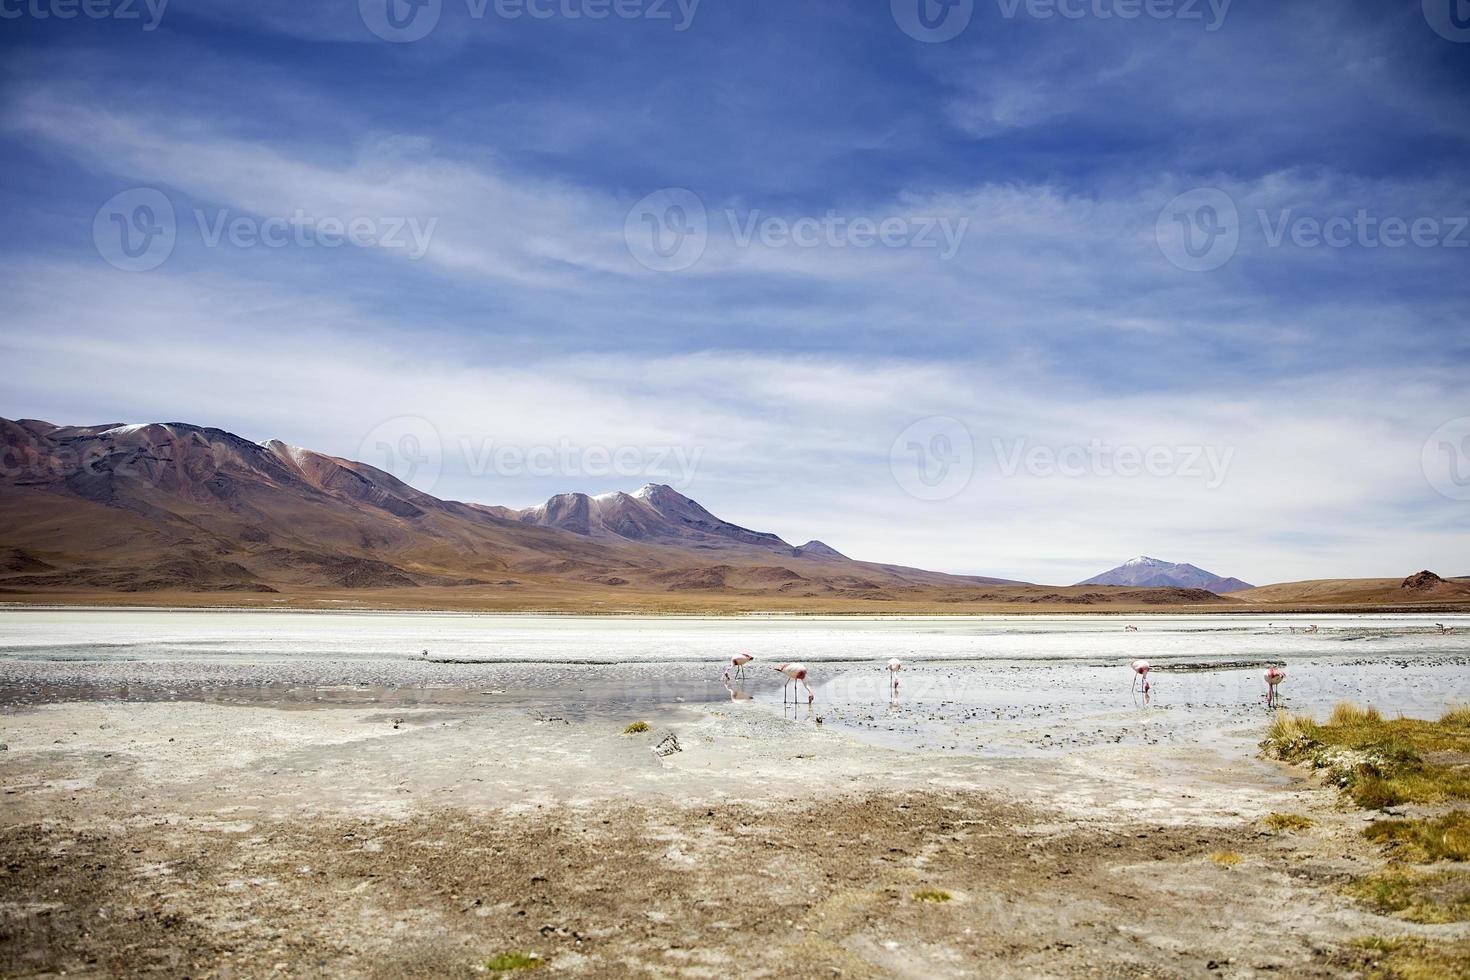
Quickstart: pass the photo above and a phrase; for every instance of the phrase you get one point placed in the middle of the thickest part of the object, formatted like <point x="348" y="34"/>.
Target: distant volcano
<point x="1144" y="572"/>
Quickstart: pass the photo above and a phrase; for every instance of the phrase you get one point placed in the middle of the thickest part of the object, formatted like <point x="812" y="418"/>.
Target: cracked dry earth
<point x="117" y="858"/>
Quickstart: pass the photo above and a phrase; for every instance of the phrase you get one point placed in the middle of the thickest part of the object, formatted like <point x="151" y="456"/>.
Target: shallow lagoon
<point x="987" y="684"/>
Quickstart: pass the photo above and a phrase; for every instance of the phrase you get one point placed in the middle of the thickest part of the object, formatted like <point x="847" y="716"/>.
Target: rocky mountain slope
<point x="182" y="514"/>
<point x="176" y="507"/>
<point x="1154" y="573"/>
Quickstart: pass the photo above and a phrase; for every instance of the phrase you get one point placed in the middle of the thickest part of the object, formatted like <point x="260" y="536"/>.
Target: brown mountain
<point x="176" y="508"/>
<point x="180" y="514"/>
<point x="1423" y="590"/>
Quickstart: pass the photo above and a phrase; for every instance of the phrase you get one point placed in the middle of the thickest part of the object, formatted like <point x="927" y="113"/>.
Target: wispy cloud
<point x="1058" y="322"/>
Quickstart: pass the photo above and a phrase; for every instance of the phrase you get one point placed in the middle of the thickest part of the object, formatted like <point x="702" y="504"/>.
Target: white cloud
<point x="797" y="444"/>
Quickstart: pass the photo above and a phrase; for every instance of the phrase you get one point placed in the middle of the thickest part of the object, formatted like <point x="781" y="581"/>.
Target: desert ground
<point x="223" y="817"/>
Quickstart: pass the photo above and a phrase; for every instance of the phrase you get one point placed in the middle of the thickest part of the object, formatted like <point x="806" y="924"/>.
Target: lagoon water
<point x="971" y="683"/>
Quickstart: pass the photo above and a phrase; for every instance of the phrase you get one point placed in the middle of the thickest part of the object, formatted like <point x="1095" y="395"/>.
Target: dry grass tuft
<point x="1442" y="838"/>
<point x="1289" y="821"/>
<point x="637" y="728"/>
<point x="1226" y="859"/>
<point x="1458" y="716"/>
<point x="1429" y="898"/>
<point x="506" y="962"/>
<point x="1414" y="959"/>
<point x="1351" y="714"/>
<point x="932" y="895"/>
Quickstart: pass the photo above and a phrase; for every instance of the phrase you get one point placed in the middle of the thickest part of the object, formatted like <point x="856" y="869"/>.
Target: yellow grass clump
<point x="932" y="895"/>
<point x="1380" y="762"/>
<point x="1289" y="821"/>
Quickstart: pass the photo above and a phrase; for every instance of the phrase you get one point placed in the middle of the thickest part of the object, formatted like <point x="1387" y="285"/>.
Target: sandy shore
<point x="258" y="839"/>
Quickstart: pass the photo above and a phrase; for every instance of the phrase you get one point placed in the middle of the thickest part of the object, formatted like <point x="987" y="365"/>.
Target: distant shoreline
<point x="122" y="605"/>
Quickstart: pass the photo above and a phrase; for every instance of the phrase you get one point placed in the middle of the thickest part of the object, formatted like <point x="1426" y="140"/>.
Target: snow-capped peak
<point x="285" y="450"/>
<point x="645" y="493"/>
<point x="1143" y="560"/>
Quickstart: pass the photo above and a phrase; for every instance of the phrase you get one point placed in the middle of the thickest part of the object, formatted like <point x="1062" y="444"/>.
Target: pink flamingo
<point x="795" y="674"/>
<point x="894" y="666"/>
<point x="738" y="662"/>
<point x="1141" y="669"/>
<point x="1274" y="676"/>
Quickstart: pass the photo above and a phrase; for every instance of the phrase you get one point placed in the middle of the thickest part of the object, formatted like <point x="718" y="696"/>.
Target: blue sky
<point x="969" y="393"/>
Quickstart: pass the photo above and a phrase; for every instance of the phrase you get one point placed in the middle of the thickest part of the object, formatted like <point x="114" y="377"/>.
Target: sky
<point x="1020" y="288"/>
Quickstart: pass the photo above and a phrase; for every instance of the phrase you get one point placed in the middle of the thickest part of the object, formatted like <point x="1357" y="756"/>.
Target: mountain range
<point x="1154" y="573"/>
<point x="173" y="513"/>
<point x="172" y="507"/>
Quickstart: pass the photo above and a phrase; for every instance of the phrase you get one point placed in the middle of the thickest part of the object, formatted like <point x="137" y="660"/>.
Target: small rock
<point x="667" y="745"/>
